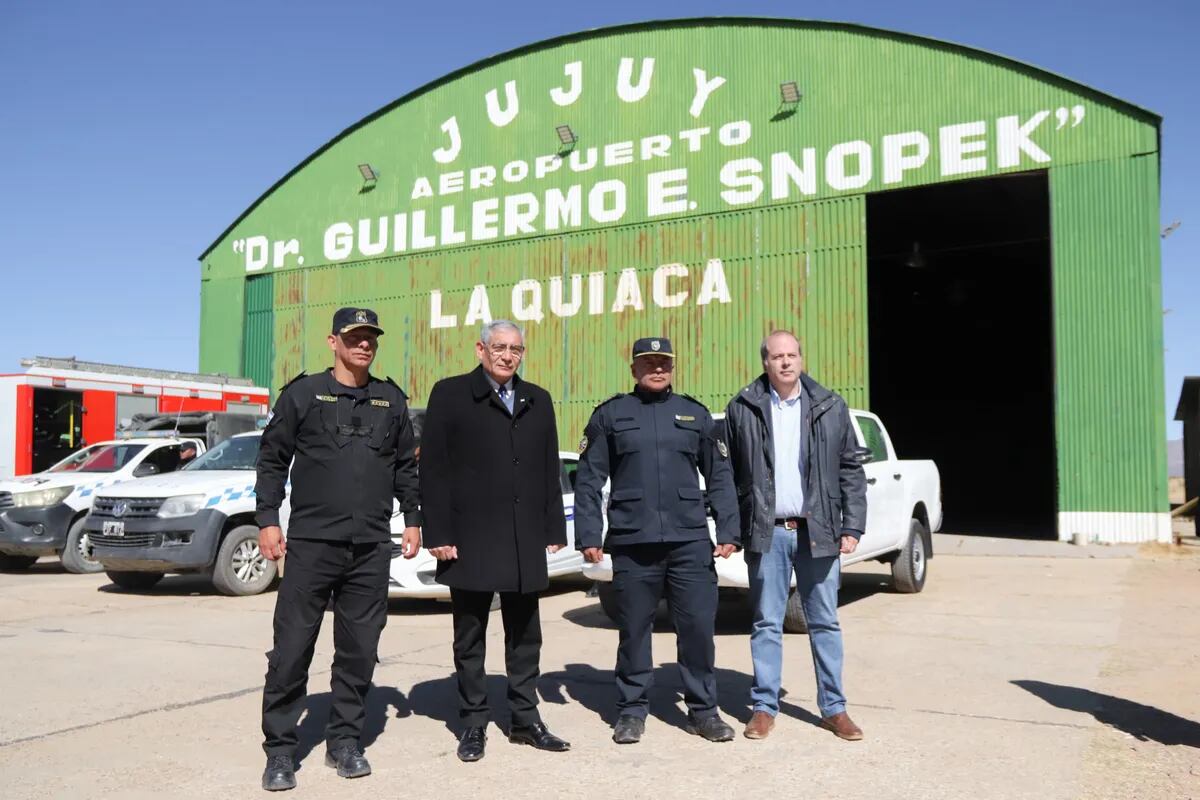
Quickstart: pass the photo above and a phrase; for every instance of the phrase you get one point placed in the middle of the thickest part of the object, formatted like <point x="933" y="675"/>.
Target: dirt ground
<point x="1028" y="674"/>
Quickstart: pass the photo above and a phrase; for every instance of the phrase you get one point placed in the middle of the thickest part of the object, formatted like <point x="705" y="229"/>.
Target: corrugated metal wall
<point x="258" y="344"/>
<point x="799" y="267"/>
<point x="1108" y="337"/>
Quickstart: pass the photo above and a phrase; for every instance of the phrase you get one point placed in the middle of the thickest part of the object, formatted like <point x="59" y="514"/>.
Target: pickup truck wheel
<point x="793" y="615"/>
<point x="134" y="581"/>
<point x="608" y="600"/>
<point x="241" y="569"/>
<point x="16" y="563"/>
<point x="77" y="553"/>
<point x="910" y="567"/>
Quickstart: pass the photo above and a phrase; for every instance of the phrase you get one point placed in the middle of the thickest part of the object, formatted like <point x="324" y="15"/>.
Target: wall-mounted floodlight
<point x="369" y="176"/>
<point x="789" y="93"/>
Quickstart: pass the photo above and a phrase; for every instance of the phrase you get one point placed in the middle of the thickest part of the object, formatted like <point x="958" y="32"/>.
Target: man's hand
<point x="271" y="542"/>
<point x="554" y="548"/>
<point x="446" y="553"/>
<point x="410" y="545"/>
<point x="593" y="555"/>
<point x="725" y="550"/>
<point x="849" y="543"/>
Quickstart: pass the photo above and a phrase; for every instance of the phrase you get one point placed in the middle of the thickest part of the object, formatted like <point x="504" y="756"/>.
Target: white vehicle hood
<point x="85" y="483"/>
<point x="214" y="484"/>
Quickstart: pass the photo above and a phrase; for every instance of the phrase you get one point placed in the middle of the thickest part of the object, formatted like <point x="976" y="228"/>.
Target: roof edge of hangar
<point x="1145" y="114"/>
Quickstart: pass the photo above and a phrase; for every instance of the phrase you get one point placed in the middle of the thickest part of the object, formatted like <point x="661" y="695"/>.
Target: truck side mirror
<point x="862" y="455"/>
<point x="145" y="469"/>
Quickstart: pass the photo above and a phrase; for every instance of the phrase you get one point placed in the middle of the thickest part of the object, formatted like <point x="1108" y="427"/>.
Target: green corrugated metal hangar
<point x="966" y="245"/>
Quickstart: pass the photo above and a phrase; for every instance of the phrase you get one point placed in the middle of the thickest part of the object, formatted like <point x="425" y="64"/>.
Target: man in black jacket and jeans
<point x="802" y="502"/>
<point x="346" y="438"/>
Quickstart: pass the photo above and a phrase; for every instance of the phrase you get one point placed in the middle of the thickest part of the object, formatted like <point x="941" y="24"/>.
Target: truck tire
<point x="608" y="600"/>
<point x="134" y="581"/>
<point x="77" y="553"/>
<point x="793" y="615"/>
<point x="241" y="569"/>
<point x="16" y="563"/>
<point x="910" y="567"/>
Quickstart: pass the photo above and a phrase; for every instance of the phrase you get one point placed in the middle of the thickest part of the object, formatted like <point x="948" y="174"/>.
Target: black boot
<point x="628" y="729"/>
<point x="279" y="775"/>
<point x="349" y="760"/>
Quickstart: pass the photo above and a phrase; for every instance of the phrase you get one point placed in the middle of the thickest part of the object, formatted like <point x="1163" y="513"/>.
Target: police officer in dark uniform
<point x="651" y="442"/>
<point x="352" y="443"/>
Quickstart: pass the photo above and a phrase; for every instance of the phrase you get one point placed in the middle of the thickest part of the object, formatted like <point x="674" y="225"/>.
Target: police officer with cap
<point x="348" y="441"/>
<point x="651" y="442"/>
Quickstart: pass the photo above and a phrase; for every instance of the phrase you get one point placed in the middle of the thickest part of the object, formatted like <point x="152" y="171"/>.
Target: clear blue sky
<point x="132" y="133"/>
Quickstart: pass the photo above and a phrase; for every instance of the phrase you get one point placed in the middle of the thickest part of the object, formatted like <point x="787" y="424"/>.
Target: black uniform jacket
<point x="351" y="459"/>
<point x="490" y="483"/>
<point x="835" y="487"/>
<point x="651" y="443"/>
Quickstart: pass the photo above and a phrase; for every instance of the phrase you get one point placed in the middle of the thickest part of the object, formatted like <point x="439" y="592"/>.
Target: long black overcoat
<point x="490" y="484"/>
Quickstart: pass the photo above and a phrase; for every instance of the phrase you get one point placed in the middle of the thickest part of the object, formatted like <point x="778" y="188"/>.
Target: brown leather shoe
<point x="759" y="726"/>
<point x="843" y="727"/>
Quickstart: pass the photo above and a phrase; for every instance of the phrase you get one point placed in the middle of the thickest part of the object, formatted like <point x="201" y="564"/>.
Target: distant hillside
<point x="1175" y="458"/>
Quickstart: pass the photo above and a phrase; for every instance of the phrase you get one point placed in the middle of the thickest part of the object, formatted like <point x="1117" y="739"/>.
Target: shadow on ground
<point x="595" y="689"/>
<point x="1147" y="723"/>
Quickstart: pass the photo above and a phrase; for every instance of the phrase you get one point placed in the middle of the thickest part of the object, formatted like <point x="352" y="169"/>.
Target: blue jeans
<point x="817" y="582"/>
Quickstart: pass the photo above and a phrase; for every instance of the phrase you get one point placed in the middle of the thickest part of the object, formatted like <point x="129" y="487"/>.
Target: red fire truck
<point x="60" y="404"/>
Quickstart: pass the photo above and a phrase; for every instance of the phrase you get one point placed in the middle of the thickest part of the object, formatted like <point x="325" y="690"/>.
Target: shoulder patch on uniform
<point x="610" y="399"/>
<point x="583" y="443"/>
<point x="293" y="380"/>
<point x="398" y="389"/>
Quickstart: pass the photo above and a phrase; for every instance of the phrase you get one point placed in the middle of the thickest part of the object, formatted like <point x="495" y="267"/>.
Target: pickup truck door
<point x="567" y="467"/>
<point x="887" y="519"/>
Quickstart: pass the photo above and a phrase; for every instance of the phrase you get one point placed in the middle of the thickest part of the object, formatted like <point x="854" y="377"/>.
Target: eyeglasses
<point x="497" y="350"/>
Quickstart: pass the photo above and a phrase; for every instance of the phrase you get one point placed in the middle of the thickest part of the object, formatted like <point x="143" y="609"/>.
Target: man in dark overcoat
<point x="492" y="506"/>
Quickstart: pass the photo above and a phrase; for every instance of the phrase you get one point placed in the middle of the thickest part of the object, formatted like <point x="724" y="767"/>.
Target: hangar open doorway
<point x="962" y="346"/>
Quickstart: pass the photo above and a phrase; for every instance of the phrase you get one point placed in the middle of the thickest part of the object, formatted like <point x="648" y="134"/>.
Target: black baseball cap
<point x="653" y="347"/>
<point x="348" y="319"/>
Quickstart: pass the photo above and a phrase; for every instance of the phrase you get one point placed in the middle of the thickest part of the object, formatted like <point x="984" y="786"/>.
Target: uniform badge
<point x="723" y="448"/>
<point x="656" y="345"/>
<point x="327" y="398"/>
<point x="381" y="403"/>
<point x="583" y="443"/>
<point x="685" y="418"/>
<point x="360" y="316"/>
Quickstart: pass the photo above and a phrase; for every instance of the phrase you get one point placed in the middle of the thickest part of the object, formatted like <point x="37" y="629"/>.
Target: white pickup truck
<point x="199" y="519"/>
<point x="904" y="507"/>
<point x="42" y="514"/>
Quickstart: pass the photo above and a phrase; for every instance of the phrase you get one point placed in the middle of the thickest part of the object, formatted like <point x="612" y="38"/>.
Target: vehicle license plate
<point x="115" y="528"/>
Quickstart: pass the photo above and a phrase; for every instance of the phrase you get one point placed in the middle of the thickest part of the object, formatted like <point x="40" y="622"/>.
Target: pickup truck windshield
<point x="109" y="458"/>
<point x="71" y="463"/>
<point x="240" y="452"/>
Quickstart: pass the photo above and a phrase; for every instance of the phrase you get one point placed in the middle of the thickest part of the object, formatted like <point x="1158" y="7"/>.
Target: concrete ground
<point x="1025" y="674"/>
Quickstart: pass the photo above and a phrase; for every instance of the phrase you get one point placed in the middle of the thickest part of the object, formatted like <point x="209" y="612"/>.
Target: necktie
<point x="506" y="397"/>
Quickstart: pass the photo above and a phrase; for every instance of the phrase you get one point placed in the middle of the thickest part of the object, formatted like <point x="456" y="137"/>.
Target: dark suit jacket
<point x="490" y="484"/>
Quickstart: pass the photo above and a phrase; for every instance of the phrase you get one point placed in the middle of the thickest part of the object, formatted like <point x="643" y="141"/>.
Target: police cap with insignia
<point x="348" y="319"/>
<point x="653" y="347"/>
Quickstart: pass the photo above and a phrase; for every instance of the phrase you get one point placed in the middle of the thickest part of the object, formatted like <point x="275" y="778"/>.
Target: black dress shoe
<point x="712" y="728"/>
<point x="472" y="744"/>
<point x="279" y="775"/>
<point x="349" y="760"/>
<point x="539" y="736"/>
<point x="629" y="729"/>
